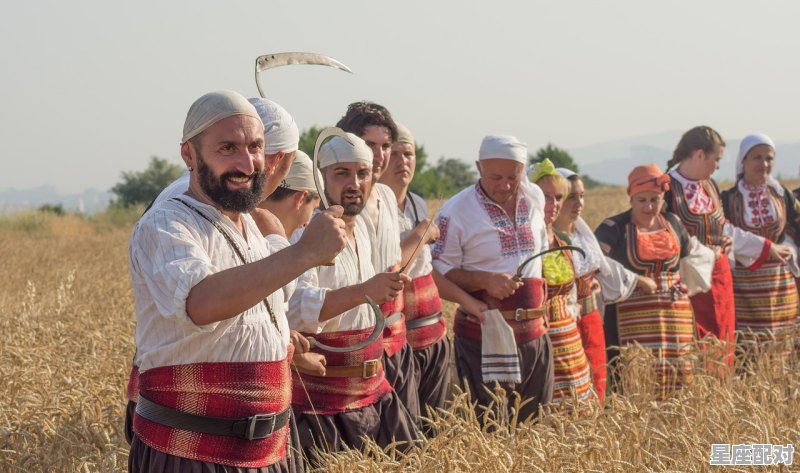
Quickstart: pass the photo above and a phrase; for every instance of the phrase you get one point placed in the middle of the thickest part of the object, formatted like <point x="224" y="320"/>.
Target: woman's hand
<point x="645" y="284"/>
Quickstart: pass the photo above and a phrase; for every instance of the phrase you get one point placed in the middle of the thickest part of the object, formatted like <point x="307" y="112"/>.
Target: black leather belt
<point x="423" y="322"/>
<point x="255" y="427"/>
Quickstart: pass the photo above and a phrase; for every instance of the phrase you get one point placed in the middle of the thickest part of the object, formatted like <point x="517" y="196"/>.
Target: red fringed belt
<point x="422" y="301"/>
<point x="222" y="390"/>
<point x="326" y="395"/>
<point x="394" y="334"/>
<point x="529" y="296"/>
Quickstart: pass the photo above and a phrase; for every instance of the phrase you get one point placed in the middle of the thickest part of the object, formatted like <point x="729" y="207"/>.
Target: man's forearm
<point x="469" y="281"/>
<point x="448" y="289"/>
<point x="228" y="293"/>
<point x="341" y="300"/>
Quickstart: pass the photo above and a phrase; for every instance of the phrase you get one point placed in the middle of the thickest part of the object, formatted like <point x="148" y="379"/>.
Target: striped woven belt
<point x="588" y="304"/>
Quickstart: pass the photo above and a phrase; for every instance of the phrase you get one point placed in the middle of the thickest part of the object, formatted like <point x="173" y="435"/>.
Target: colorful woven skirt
<point x="571" y="368"/>
<point x="766" y="302"/>
<point x="666" y="327"/>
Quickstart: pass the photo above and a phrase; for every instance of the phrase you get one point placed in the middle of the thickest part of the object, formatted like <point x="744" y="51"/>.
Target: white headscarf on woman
<point x="616" y="282"/>
<point x="749" y="142"/>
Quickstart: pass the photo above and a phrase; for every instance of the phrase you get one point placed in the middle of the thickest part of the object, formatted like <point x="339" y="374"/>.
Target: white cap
<point x="213" y="107"/>
<point x="300" y="177"/>
<point x="404" y="135"/>
<point x="503" y="147"/>
<point x="338" y="150"/>
<point x="280" y="130"/>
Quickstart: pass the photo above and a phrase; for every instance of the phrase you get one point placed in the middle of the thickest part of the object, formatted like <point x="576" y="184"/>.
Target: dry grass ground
<point x="66" y="340"/>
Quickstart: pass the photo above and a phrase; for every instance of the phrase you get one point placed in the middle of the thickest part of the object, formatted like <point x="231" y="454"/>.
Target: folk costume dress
<point x="663" y="321"/>
<point x="699" y="207"/>
<point x="354" y="398"/>
<point x="572" y="374"/>
<point x="766" y="294"/>
<point x="232" y="369"/>
<point x="476" y="234"/>
<point x="384" y="233"/>
<point x="616" y="284"/>
<point x="426" y="329"/>
<point x="797" y="196"/>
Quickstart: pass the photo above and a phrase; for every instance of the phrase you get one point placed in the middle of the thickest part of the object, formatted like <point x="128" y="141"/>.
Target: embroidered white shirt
<point x="477" y="235"/>
<point x="746" y="248"/>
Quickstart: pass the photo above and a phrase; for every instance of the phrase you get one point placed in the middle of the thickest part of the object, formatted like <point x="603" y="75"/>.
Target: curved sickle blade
<point x="324" y="135"/>
<point x="521" y="267"/>
<point x="380" y="323"/>
<point x="270" y="61"/>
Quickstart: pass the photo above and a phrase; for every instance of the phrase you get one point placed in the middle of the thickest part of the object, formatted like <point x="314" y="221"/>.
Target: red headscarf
<point x="646" y="178"/>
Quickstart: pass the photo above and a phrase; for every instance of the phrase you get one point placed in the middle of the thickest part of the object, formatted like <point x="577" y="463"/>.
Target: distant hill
<point x="88" y="201"/>
<point x="611" y="162"/>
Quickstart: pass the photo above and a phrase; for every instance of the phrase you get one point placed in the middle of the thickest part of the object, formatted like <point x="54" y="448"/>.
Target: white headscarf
<point x="338" y="150"/>
<point x="280" y="130"/>
<point x="749" y="142"/>
<point x="566" y="173"/>
<point x="503" y="147"/>
<point x="404" y="135"/>
<point x="300" y="177"/>
<point x="213" y="107"/>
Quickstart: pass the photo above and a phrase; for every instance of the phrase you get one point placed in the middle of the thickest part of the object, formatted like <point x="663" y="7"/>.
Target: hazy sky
<point x="92" y="88"/>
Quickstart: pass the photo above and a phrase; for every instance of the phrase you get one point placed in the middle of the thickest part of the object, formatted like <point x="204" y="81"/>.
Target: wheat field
<point x="67" y="325"/>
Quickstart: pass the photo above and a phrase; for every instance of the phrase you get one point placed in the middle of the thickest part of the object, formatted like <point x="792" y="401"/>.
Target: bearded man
<point x="212" y="338"/>
<point x="352" y="399"/>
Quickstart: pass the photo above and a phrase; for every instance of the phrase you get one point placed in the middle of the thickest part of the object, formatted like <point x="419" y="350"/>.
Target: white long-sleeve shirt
<point x="353" y="265"/>
<point x="385" y="233"/>
<point x="172" y="248"/>
<point x="414" y="212"/>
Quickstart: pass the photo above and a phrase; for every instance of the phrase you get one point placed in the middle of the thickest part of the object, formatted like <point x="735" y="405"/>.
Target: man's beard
<point x="242" y="200"/>
<point x="350" y="210"/>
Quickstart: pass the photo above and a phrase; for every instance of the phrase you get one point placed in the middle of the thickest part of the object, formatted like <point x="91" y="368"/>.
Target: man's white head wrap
<point x="300" y="176"/>
<point x="280" y="130"/>
<point x="749" y="142"/>
<point x="213" y="107"/>
<point x="566" y="173"/>
<point x="404" y="135"/>
<point x="338" y="150"/>
<point x="503" y="147"/>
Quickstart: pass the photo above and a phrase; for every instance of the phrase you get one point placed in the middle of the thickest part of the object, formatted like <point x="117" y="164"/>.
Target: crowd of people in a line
<point x="286" y="305"/>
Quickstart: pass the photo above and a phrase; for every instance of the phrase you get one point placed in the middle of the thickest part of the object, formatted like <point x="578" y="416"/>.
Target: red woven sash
<point x="394" y="335"/>
<point x="529" y="296"/>
<point x="422" y="300"/>
<point x="228" y="390"/>
<point x="321" y="395"/>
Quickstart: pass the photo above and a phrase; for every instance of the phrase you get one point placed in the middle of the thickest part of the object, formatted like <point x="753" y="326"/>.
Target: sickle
<point x="521" y="267"/>
<point x="380" y="323"/>
<point x="270" y="61"/>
